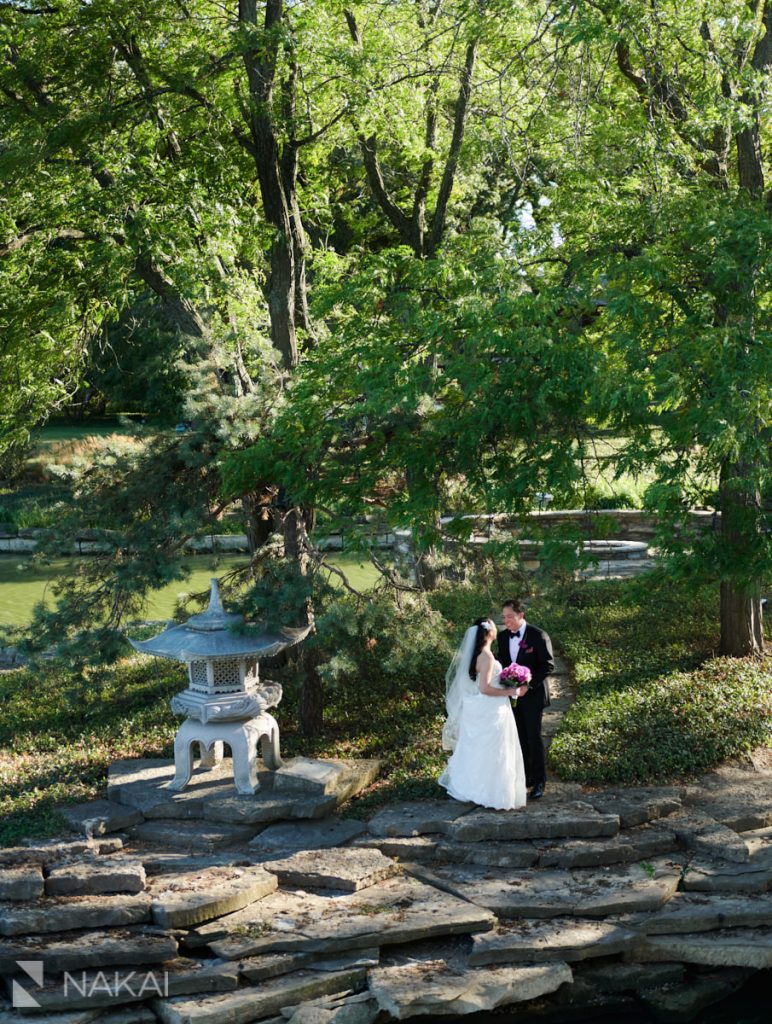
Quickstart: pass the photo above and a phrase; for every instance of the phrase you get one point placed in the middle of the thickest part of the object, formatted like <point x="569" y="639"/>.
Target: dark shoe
<point x="538" y="791"/>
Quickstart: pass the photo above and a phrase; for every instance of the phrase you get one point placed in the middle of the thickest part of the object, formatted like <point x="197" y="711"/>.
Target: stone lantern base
<point x="241" y="736"/>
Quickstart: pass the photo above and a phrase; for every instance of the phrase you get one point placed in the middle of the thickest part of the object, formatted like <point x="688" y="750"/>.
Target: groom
<point x="528" y="645"/>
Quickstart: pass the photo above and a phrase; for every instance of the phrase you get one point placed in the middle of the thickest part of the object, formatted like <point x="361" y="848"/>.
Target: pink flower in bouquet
<point x="515" y="675"/>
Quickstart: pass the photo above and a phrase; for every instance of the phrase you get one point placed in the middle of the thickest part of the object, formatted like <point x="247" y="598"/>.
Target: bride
<point x="486" y="766"/>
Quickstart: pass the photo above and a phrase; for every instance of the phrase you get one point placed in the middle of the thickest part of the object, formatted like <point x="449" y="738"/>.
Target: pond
<point x="24" y="583"/>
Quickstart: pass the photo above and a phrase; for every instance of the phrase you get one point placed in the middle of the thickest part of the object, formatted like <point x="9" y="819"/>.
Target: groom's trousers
<point x="528" y="715"/>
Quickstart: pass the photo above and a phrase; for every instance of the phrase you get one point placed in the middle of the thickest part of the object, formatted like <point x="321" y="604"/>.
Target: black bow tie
<point x="515" y="636"/>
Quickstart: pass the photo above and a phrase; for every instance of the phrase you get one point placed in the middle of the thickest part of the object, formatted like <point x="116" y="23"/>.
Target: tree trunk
<point x="740" y="608"/>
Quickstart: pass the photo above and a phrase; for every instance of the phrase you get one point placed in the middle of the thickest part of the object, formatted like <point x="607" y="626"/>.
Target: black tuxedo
<point x="535" y="652"/>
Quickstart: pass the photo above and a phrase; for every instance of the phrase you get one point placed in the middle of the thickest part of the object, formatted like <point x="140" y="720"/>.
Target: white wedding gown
<point x="486" y="766"/>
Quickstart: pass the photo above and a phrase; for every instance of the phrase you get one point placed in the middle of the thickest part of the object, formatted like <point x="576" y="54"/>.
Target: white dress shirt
<point x="514" y="642"/>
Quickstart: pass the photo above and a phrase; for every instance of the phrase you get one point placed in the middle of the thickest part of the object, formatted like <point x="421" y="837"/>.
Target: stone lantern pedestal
<point x="224" y="701"/>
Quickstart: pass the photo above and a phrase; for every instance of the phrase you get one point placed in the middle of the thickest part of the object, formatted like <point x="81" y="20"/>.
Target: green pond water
<point x="23" y="584"/>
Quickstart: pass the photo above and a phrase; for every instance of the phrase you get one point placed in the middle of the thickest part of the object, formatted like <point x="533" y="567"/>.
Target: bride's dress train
<point x="486" y="766"/>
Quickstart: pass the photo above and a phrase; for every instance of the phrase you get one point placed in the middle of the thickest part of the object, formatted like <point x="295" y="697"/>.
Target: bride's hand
<point x="520" y="691"/>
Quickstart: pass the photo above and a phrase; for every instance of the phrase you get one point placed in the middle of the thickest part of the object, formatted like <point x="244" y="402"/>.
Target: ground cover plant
<point x="652" y="702"/>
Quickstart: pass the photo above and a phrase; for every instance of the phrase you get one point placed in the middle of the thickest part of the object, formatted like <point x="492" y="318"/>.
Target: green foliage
<point x="653" y="703"/>
<point x="60" y="731"/>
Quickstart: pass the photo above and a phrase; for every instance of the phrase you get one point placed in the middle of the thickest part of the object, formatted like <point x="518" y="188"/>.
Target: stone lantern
<point x="224" y="701"/>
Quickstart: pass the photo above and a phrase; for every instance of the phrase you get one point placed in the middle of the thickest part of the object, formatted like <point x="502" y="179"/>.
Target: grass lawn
<point x="653" y="703"/>
<point x="24" y="582"/>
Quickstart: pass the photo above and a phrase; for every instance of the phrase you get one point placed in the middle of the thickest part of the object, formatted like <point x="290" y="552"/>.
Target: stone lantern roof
<point x="209" y="635"/>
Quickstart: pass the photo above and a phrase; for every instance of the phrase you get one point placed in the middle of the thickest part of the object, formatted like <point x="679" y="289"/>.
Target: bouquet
<point x="515" y="675"/>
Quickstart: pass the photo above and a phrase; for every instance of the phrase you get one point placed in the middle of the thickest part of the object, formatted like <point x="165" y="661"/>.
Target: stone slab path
<point x="584" y="901"/>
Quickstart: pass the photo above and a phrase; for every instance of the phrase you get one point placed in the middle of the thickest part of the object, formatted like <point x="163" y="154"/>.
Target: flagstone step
<point x="439" y="988"/>
<point x="192" y="897"/>
<point x="694" y="912"/>
<point x="394" y="911"/>
<point x="259" y="1001"/>
<point x="96" y="877"/>
<point x="302" y="788"/>
<point x="533" y="893"/>
<point x="641" y="842"/>
<point x="83" y="950"/>
<point x="562" y="938"/>
<point x="63" y="913"/>
<point x="739" y="799"/>
<point x="200" y="836"/>
<point x="344" y="869"/>
<point x="543" y="821"/>
<point x="417" y="817"/>
<point x="291" y="837"/>
<point x="53" y="852"/>
<point x="704" y="875"/>
<point x="731" y="947"/>
<point x="24" y="882"/>
<point x="99" y="816"/>
<point x="708" y="837"/>
<point x="273" y="965"/>
<point x="636" y="806"/>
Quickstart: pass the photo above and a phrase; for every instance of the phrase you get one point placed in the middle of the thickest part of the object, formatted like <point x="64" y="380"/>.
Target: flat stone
<point x="260" y="808"/>
<point x="639" y="843"/>
<point x="500" y="855"/>
<point x="544" y="821"/>
<point x="345" y="869"/>
<point x="21" y="883"/>
<point x="546" y="893"/>
<point x="100" y="816"/>
<point x="731" y="947"/>
<point x="192" y="897"/>
<point x="65" y="913"/>
<point x="705" y="875"/>
<point x="329" y="777"/>
<point x="142" y="783"/>
<point x="397" y="910"/>
<point x="631" y="977"/>
<point x="637" y="806"/>
<point x="94" y="877"/>
<point x="8" y="1016"/>
<point x="436" y="988"/>
<point x="291" y="837"/>
<point x="694" y="912"/>
<point x="255" y="1002"/>
<point x="561" y="938"/>
<point x="103" y="988"/>
<point x="418" y="848"/>
<point x="708" y="837"/>
<point x="192" y="835"/>
<point x="272" y="965"/>
<point x="417" y="817"/>
<point x="685" y="1001"/>
<point x="82" y="950"/>
<point x="759" y="845"/>
<point x="739" y="799"/>
<point x="56" y="850"/>
<point x="164" y="862"/>
<point x="345" y="1009"/>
